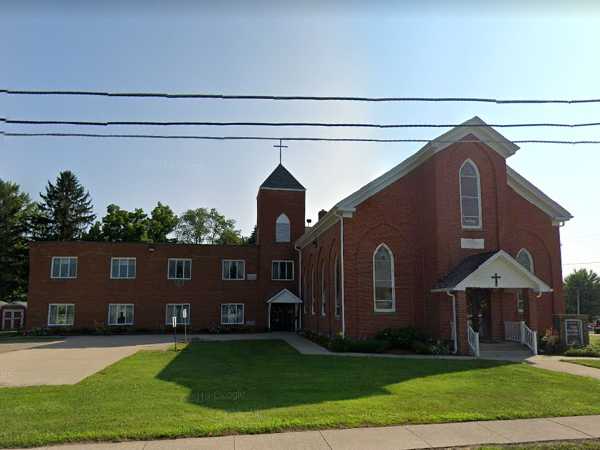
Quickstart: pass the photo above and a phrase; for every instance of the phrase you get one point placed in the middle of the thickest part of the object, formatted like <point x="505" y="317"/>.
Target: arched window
<point x="383" y="279"/>
<point x="304" y="294"/>
<point x="312" y="291"/>
<point x="337" y="287"/>
<point x="282" y="229"/>
<point x="525" y="259"/>
<point x="470" y="195"/>
<point x="323" y="293"/>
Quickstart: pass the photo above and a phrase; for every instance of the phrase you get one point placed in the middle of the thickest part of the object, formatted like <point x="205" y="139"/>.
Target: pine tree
<point x="66" y="209"/>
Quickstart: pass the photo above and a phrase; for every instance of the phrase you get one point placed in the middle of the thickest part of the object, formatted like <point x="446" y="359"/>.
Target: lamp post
<point x="184" y="315"/>
<point x="174" y="323"/>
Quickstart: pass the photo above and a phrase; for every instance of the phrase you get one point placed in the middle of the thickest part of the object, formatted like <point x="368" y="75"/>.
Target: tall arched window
<point x="470" y="195"/>
<point x="312" y="291"/>
<point x="323" y="292"/>
<point x="282" y="229"/>
<point x="383" y="279"/>
<point x="526" y="260"/>
<point x="337" y="287"/>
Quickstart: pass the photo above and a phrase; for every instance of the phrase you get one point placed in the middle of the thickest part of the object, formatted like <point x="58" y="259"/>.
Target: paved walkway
<point x="69" y="360"/>
<point x="382" y="438"/>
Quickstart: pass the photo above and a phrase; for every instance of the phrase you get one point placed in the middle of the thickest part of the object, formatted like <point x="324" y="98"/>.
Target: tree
<point x="251" y="240"/>
<point x="587" y="282"/>
<point x="66" y="209"/>
<point x="16" y="212"/>
<point x="119" y="225"/>
<point x="162" y="223"/>
<point x="203" y="226"/>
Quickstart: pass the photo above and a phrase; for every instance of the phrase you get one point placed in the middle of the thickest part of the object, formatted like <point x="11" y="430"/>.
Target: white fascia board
<point x="285" y="296"/>
<point x="474" y="126"/>
<point x="514" y="265"/>
<point x="535" y="196"/>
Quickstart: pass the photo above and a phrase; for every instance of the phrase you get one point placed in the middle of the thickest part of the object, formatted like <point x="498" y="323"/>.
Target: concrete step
<point x="509" y="351"/>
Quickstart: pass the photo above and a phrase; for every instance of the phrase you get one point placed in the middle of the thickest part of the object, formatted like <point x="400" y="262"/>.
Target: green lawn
<point x="261" y="386"/>
<point x="585" y="362"/>
<point x="594" y="339"/>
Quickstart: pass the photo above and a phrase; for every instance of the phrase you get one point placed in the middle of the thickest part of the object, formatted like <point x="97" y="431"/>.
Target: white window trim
<point x="470" y="227"/>
<point x="123" y="257"/>
<point x="285" y="261"/>
<point x="121" y="324"/>
<point x="179" y="259"/>
<point x="323" y="293"/>
<point x="393" y="308"/>
<point x="50" y="305"/>
<point x="64" y="278"/>
<point x="233" y="304"/>
<point x="169" y="321"/>
<point x="289" y="224"/>
<point x="243" y="261"/>
<point x="529" y="255"/>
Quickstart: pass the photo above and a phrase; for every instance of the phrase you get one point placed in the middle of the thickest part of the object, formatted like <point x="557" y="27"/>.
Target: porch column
<point x="461" y="323"/>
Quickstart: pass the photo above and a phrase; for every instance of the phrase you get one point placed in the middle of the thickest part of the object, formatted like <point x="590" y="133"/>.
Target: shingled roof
<point x="465" y="268"/>
<point x="281" y="178"/>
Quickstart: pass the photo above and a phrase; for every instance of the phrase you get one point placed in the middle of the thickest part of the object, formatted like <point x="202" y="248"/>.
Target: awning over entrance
<point x="491" y="270"/>
<point x="285" y="296"/>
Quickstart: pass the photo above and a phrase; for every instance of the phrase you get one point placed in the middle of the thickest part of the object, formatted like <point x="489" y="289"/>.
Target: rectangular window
<point x="180" y="269"/>
<point x="61" y="315"/>
<point x="64" y="267"/>
<point x="337" y="283"/>
<point x="122" y="268"/>
<point x="232" y="314"/>
<point x="176" y="309"/>
<point x="282" y="270"/>
<point x="120" y="314"/>
<point x="234" y="269"/>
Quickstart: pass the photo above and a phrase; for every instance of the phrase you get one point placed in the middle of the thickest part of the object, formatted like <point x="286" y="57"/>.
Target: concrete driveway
<point x="69" y="360"/>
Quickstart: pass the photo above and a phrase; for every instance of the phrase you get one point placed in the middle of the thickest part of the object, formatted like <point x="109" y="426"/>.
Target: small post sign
<point x="174" y="323"/>
<point x="573" y="332"/>
<point x="184" y="315"/>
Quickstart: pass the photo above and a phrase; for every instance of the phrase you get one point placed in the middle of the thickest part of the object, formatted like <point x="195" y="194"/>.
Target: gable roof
<point x="285" y="296"/>
<point x="478" y="271"/>
<point x="282" y="179"/>
<point x="473" y="127"/>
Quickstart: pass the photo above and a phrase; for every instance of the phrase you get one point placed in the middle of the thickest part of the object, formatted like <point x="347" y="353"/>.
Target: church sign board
<point x="573" y="332"/>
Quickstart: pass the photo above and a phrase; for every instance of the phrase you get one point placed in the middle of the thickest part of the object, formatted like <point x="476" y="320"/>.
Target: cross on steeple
<point x="280" y="146"/>
<point x="496" y="277"/>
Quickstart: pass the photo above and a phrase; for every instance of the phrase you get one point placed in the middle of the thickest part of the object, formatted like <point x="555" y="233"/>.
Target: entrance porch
<point x="283" y="311"/>
<point x="494" y="299"/>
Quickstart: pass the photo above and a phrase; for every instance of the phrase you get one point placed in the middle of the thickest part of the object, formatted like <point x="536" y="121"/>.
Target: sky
<point x="450" y="49"/>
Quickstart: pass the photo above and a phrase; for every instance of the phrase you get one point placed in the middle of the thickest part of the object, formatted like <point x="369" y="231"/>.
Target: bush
<point x="401" y="338"/>
<point x="323" y="341"/>
<point x="583" y="351"/>
<point x="343" y="345"/>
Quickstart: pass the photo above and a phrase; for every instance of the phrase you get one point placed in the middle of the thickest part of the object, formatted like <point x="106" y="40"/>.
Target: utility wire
<point x="289" y="124"/>
<point x="270" y="138"/>
<point x="293" y="97"/>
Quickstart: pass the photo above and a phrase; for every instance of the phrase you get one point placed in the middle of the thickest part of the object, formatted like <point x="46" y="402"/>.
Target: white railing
<point x="473" y="340"/>
<point x="529" y="338"/>
<point x="513" y="331"/>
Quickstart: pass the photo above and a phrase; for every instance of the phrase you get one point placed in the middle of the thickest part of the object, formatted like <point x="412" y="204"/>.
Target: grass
<point x="595" y="339"/>
<point x="584" y="362"/>
<point x="265" y="386"/>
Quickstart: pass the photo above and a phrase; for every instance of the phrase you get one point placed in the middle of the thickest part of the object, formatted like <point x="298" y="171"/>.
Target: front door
<point x="12" y="319"/>
<point x="478" y="314"/>
<point x="282" y="317"/>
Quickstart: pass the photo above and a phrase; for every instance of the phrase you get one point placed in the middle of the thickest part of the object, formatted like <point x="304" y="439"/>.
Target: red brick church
<point x="451" y="241"/>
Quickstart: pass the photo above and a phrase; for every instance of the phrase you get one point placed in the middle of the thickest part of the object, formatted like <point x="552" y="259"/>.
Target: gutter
<point x="341" y="216"/>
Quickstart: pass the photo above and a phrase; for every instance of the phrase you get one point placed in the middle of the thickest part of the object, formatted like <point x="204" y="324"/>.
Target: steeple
<point x="282" y="179"/>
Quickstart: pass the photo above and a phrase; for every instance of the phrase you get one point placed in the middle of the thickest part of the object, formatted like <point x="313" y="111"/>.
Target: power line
<point x="271" y="138"/>
<point x="209" y="96"/>
<point x="289" y="124"/>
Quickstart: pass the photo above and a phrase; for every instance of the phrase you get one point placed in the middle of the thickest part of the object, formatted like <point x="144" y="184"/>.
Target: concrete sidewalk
<point x="399" y="437"/>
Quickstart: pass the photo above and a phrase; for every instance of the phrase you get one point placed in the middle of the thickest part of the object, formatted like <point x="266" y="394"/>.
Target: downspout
<point x="342" y="274"/>
<point x="455" y="334"/>
<point x="300" y="287"/>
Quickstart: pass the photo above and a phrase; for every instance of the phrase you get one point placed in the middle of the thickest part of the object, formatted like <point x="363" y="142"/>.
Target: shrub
<point x="583" y="351"/>
<point x="401" y="338"/>
<point x="323" y="341"/>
